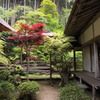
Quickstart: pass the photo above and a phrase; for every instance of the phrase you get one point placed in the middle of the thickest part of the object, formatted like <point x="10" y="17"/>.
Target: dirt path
<point x="47" y="92"/>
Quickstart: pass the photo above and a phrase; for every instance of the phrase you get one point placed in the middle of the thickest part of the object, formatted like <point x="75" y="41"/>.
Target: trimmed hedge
<point x="28" y="89"/>
<point x="7" y="91"/>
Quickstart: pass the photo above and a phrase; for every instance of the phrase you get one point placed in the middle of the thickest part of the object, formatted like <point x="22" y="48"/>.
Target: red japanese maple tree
<point x="29" y="35"/>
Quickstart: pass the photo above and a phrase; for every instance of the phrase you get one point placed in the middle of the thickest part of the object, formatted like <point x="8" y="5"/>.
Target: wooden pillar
<point x="80" y="80"/>
<point x="74" y="60"/>
<point x="94" y="93"/>
<point x="96" y="65"/>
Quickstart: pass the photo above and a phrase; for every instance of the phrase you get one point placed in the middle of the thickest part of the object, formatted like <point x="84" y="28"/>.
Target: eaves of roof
<point x="83" y="14"/>
<point x="4" y="26"/>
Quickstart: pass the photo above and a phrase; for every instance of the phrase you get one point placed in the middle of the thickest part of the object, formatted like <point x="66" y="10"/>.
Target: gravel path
<point x="47" y="92"/>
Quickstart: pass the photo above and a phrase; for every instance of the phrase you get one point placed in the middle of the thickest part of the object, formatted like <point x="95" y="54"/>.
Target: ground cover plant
<point x="73" y="92"/>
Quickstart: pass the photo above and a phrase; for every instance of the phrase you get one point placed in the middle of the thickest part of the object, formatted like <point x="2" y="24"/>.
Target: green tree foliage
<point x="3" y="12"/>
<point x="3" y="59"/>
<point x="18" y="24"/>
<point x="65" y="15"/>
<point x="35" y="17"/>
<point x="1" y="46"/>
<point x="58" y="42"/>
<point x="21" y="11"/>
<point x="16" y="13"/>
<point x="49" y="7"/>
<point x="7" y="48"/>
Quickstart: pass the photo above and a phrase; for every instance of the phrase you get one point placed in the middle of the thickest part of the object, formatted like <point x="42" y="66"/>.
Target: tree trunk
<point x="64" y="73"/>
<point x="13" y="19"/>
<point x="13" y="15"/>
<point x="50" y="69"/>
<point x="27" y="60"/>
<point x="24" y="8"/>
<point x="21" y="59"/>
<point x="35" y="4"/>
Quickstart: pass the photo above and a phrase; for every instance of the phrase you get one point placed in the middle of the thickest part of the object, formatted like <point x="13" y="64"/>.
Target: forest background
<point x="53" y="13"/>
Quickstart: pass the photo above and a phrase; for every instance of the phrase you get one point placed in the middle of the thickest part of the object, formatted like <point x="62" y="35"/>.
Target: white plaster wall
<point x="88" y="34"/>
<point x="92" y="57"/>
<point x="97" y="27"/>
<point x="93" y="68"/>
<point x="86" y="59"/>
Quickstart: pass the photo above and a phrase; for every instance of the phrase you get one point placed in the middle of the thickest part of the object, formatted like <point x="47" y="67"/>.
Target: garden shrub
<point x="28" y="89"/>
<point x="5" y="75"/>
<point x="7" y="91"/>
<point x="18" y="68"/>
<point x="73" y="92"/>
<point x="23" y="73"/>
<point x="35" y="73"/>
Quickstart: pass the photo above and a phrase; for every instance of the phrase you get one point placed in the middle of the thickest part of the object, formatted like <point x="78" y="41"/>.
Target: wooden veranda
<point x="89" y="78"/>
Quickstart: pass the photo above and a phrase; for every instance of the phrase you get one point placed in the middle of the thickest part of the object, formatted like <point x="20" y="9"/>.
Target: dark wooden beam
<point x="90" y="11"/>
<point x="87" y="7"/>
<point x="77" y="27"/>
<point x="91" y="2"/>
<point x="83" y="19"/>
<point x="91" y="21"/>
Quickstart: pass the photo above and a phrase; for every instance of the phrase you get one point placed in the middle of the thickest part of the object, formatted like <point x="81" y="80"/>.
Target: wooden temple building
<point x="84" y="25"/>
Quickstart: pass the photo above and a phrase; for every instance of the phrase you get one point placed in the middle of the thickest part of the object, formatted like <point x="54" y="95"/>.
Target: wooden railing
<point x="37" y="63"/>
<point x="36" y="66"/>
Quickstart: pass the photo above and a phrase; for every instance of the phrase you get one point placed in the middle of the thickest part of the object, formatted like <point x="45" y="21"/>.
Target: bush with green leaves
<point x="23" y="73"/>
<point x="5" y="75"/>
<point x="7" y="91"/>
<point x="73" y="92"/>
<point x="28" y="89"/>
<point x="18" y="68"/>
